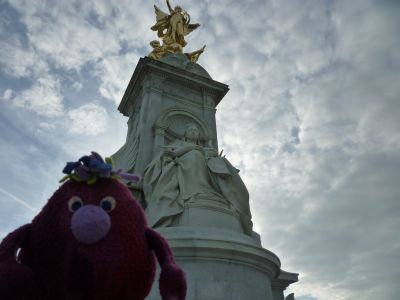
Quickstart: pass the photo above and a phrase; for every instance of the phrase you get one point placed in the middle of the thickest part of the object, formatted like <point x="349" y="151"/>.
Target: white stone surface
<point x="221" y="264"/>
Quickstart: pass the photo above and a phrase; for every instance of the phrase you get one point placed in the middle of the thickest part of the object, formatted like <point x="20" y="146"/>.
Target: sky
<point x="311" y="118"/>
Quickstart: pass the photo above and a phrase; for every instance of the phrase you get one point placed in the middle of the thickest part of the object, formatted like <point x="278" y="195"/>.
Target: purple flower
<point x="89" y="167"/>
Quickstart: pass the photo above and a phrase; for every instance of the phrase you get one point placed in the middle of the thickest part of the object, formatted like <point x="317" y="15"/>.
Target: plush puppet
<point x="90" y="242"/>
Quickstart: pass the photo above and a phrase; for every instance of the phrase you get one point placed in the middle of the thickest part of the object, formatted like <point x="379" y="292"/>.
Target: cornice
<point x="147" y="67"/>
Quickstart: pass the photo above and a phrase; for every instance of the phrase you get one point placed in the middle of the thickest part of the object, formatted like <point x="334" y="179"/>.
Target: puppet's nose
<point x="90" y="224"/>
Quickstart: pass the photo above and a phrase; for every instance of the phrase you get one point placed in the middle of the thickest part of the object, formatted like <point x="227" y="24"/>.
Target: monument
<point x="191" y="193"/>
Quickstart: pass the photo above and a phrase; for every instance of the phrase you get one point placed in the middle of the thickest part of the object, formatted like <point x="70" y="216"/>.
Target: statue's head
<point x="178" y="9"/>
<point x="192" y="132"/>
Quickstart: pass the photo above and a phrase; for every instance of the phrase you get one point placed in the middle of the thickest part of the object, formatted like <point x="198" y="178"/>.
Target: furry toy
<point x="90" y="242"/>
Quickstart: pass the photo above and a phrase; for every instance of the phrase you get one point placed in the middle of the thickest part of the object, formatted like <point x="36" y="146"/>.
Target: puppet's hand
<point x="172" y="283"/>
<point x="15" y="280"/>
<point x="172" y="277"/>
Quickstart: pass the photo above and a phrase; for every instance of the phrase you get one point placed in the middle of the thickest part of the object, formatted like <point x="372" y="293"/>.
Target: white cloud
<point x="114" y="73"/>
<point x="71" y="35"/>
<point x="77" y="86"/>
<point x="16" y="61"/>
<point x="7" y="94"/>
<point x="64" y="25"/>
<point x="92" y="30"/>
<point x="45" y="126"/>
<point x="44" y="97"/>
<point x="88" y="119"/>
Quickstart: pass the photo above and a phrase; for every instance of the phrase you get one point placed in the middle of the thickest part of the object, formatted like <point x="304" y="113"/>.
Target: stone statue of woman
<point x="186" y="172"/>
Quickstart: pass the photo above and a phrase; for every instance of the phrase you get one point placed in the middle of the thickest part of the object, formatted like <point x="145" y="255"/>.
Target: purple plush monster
<point x="90" y="242"/>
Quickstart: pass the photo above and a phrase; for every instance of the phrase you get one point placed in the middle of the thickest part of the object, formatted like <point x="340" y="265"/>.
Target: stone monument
<point x="191" y="194"/>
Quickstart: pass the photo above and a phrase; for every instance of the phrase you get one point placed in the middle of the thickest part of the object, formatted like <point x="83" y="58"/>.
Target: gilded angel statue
<point x="173" y="27"/>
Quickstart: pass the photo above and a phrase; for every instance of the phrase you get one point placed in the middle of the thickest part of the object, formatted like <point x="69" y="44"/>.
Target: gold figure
<point x="158" y="50"/>
<point x="194" y="56"/>
<point x="172" y="29"/>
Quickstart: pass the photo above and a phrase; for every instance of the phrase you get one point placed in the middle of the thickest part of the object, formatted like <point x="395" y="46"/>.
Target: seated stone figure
<point x="185" y="173"/>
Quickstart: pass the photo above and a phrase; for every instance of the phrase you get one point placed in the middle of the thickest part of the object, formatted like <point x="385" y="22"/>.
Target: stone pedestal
<point x="222" y="257"/>
<point x="221" y="264"/>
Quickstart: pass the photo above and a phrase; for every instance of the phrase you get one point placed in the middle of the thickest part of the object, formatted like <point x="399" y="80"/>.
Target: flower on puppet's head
<point x="91" y="167"/>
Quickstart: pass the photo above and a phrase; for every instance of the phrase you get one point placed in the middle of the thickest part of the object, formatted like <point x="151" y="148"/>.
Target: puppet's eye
<point x="74" y="203"/>
<point x="108" y="203"/>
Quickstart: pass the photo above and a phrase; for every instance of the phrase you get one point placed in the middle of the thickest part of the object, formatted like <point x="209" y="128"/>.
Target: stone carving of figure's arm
<point x="182" y="150"/>
<point x="176" y="151"/>
<point x="168" y="155"/>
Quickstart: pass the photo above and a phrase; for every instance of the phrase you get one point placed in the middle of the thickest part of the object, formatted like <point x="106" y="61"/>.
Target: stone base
<point x="208" y="215"/>
<point x="222" y="264"/>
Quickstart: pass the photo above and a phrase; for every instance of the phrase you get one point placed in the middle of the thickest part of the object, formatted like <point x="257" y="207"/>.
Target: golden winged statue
<point x="172" y="29"/>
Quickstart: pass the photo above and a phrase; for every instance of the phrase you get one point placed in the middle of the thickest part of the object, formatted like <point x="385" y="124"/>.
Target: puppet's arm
<point x="172" y="277"/>
<point x="15" y="278"/>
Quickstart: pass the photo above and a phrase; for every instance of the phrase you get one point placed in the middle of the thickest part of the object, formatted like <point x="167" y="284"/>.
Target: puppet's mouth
<point x="90" y="224"/>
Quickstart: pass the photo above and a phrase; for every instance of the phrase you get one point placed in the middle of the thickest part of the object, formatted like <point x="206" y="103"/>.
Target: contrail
<point x="16" y="199"/>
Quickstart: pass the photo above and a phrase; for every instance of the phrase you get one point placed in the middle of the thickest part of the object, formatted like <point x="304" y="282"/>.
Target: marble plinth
<point x="223" y="265"/>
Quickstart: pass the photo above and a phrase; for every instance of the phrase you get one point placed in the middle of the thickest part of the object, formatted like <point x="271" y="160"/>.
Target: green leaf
<point x="110" y="161"/>
<point x="92" y="179"/>
<point x="76" y="178"/>
<point x="65" y="178"/>
<point x="115" y="176"/>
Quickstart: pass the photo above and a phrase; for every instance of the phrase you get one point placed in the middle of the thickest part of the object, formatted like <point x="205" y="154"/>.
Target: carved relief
<point x="171" y="125"/>
<point x="186" y="173"/>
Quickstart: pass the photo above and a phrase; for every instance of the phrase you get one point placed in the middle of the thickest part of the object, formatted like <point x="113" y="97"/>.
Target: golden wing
<point x="160" y="14"/>
<point x="162" y="22"/>
<point x="189" y="28"/>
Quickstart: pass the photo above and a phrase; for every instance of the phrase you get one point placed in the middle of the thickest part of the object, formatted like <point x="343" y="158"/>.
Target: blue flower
<point x="89" y="167"/>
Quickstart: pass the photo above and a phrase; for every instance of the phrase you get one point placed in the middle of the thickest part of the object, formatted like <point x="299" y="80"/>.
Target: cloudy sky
<point x="312" y="118"/>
